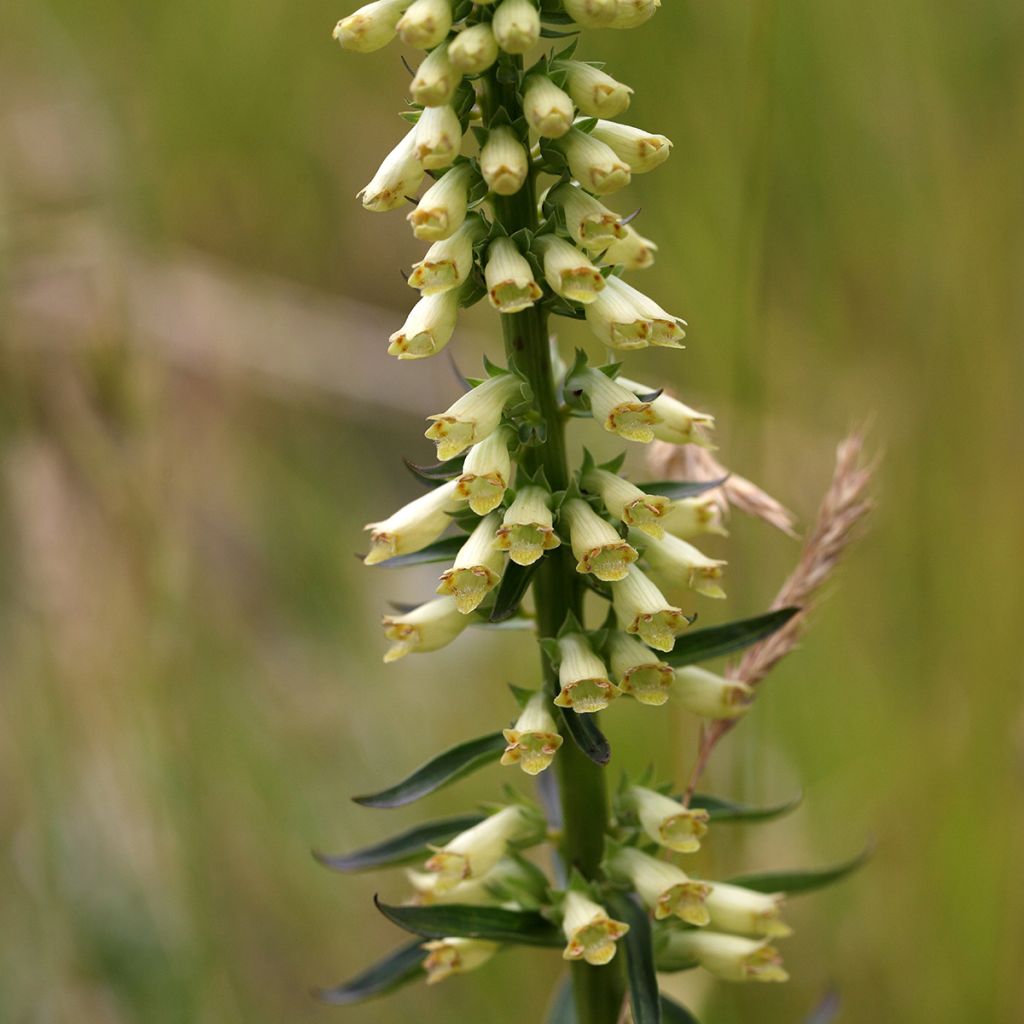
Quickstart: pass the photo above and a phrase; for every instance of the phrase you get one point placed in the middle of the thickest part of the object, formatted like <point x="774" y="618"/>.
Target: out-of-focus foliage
<point x="197" y="419"/>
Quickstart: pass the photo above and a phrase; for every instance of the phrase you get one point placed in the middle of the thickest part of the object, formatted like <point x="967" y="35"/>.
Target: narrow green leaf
<point x="677" y="489"/>
<point x="437" y="473"/>
<point x="521" y="927"/>
<point x="443" y="550"/>
<point x="563" y="1009"/>
<point x="587" y="736"/>
<point x="438" y="772"/>
<point x="401" y="967"/>
<point x="643" y="981"/>
<point x="726" y="810"/>
<point x="715" y="641"/>
<point x="406" y="846"/>
<point x="673" y="1013"/>
<point x="511" y="590"/>
<point x="793" y="882"/>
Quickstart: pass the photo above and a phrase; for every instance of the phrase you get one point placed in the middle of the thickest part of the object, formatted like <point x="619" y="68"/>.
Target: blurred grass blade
<point x="715" y="641"/>
<point x="511" y="590"/>
<point x="406" y="846"/>
<point x="438" y="772"/>
<point x="673" y="1013"/>
<point x="443" y="550"/>
<point x="587" y="736"/>
<point x="522" y="927"/>
<point x="563" y="1009"/>
<point x="793" y="882"/>
<point x="401" y="967"/>
<point x="827" y="1010"/>
<point x="676" y="489"/>
<point x="643" y="981"/>
<point x="726" y="810"/>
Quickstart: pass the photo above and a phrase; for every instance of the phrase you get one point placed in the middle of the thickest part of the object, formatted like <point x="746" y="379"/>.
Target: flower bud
<point x="729" y="957"/>
<point x="613" y="406"/>
<point x="643" y="610"/>
<point x="447" y="263"/>
<point x="663" y="888"/>
<point x="675" y="559"/>
<point x="594" y="91"/>
<point x="596" y="544"/>
<point x="677" y="423"/>
<point x="592" y="13"/>
<point x="593" y="163"/>
<point x="476" y="570"/>
<point x="428" y="628"/>
<point x="426" y="23"/>
<point x="615" y="319"/>
<point x="516" y="25"/>
<point x="510" y="284"/>
<point x="486" y="473"/>
<point x="446" y="957"/>
<point x="413" y="526"/>
<point x="641" y="150"/>
<point x="736" y="909"/>
<point x="568" y="271"/>
<point x="442" y="210"/>
<point x="398" y="176"/>
<point x="634" y="13"/>
<point x="634" y="252"/>
<point x="472" y="417"/>
<point x="534" y="740"/>
<point x="709" y="695"/>
<point x="691" y="517"/>
<point x="474" y="49"/>
<point x="582" y="676"/>
<point x="549" y="111"/>
<point x="528" y="527"/>
<point x="436" y="79"/>
<point x="509" y="879"/>
<point x="504" y="163"/>
<point x="637" y="671"/>
<point x="590" y="932"/>
<point x="667" y="822"/>
<point x="590" y="223"/>
<point x="371" y="27"/>
<point x="428" y="328"/>
<point x="662" y="328"/>
<point x="438" y="137"/>
<point x="627" y="503"/>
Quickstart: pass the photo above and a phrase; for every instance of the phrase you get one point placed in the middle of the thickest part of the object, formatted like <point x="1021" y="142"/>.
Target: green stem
<point x="598" y="991"/>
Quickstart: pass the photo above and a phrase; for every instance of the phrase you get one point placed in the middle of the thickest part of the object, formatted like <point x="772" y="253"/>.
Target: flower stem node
<point x="664" y="889"/>
<point x="413" y="526"/>
<point x="442" y="209"/>
<point x="428" y="328"/>
<point x="509" y="278"/>
<point x="446" y="957"/>
<point x="428" y="628"/>
<point x="590" y="222"/>
<point x="594" y="91"/>
<point x="729" y="957"/>
<point x="438" y="137"/>
<point x="736" y="909"/>
<point x="593" y="163"/>
<point x="569" y="272"/>
<point x="534" y="740"/>
<point x="592" y="13"/>
<point x="436" y="79"/>
<point x="596" y="544"/>
<point x="504" y="162"/>
<point x="710" y="695"/>
<point x="516" y="25"/>
<point x="371" y="27"/>
<point x="476" y="415"/>
<point x="549" y="110"/>
<point x="616" y="408"/>
<point x="398" y="176"/>
<point x="582" y="676"/>
<point x="476" y="570"/>
<point x="474" y="49"/>
<point x="426" y="23"/>
<point x="447" y="263"/>
<point x="643" y="610"/>
<point x="528" y="527"/>
<point x="667" y="822"/>
<point x="626" y="502"/>
<point x="486" y="473"/>
<point x="637" y="671"/>
<point x="676" y="559"/>
<point x="641" y="150"/>
<point x="591" y="934"/>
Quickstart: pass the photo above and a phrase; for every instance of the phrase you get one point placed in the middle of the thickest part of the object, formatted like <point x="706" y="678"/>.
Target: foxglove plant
<point x="520" y="155"/>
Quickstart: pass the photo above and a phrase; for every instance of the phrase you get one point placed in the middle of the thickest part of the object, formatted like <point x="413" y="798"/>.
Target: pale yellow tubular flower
<point x="446" y="957"/>
<point x="534" y="740"/>
<point x="486" y="472"/>
<point x="474" y="416"/>
<point x="474" y="49"/>
<point x="594" y="91"/>
<point x="476" y="570"/>
<point x="400" y="175"/>
<point x="678" y="560"/>
<point x="426" y="23"/>
<point x="729" y="957"/>
<point x="667" y="822"/>
<point x="442" y="209"/>
<point x="596" y="544"/>
<point x="568" y="271"/>
<point x="664" y="329"/>
<point x="436" y="79"/>
<point x="516" y="25"/>
<point x="504" y="162"/>
<point x="592" y="13"/>
<point x="638" y="671"/>
<point x="633" y="13"/>
<point x="662" y="887"/>
<point x="472" y="893"/>
<point x="527" y="530"/>
<point x="447" y="263"/>
<point x="627" y="503"/>
<point x="643" y="610"/>
<point x="590" y="933"/>
<point x="438" y="137"/>
<point x="370" y="28"/>
<point x="413" y="526"/>
<point x="615" y="407"/>
<point x="678" y="423"/>
<point x="428" y="328"/>
<point x="736" y="909"/>
<point x="634" y="252"/>
<point x="692" y="517"/>
<point x="710" y="695"/>
<point x="642" y="150"/>
<point x="613" y="318"/>
<point x="589" y="221"/>
<point x="582" y="676"/>
<point x="428" y="628"/>
<point x="549" y="110"/>
<point x="509" y="278"/>
<point x="593" y="163"/>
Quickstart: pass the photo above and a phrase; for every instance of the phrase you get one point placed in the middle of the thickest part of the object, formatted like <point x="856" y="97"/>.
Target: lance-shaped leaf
<point x="511" y="590"/>
<point x="405" y="964"/>
<point x="793" y="882"/>
<point x="587" y="736"/>
<point x="443" y="550"/>
<point x="521" y="927"/>
<point x="401" y="849"/>
<point x="726" y="810"/>
<point x="715" y="641"/>
<point x="677" y="489"/>
<point x="643" y="981"/>
<point x="436" y="473"/>
<point x="438" y="772"/>
<point x="673" y="1013"/>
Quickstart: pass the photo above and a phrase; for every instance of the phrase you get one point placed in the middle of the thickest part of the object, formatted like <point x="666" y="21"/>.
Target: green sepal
<point x="793" y="882"/>
<point x="523" y="239"/>
<point x="522" y="695"/>
<point x="725" y="811"/>
<point x="614" y="465"/>
<point x="570" y="625"/>
<point x="715" y="641"/>
<point x="530" y="890"/>
<point x="436" y="473"/>
<point x="494" y="369"/>
<point x="443" y="550"/>
<point x="412" y="116"/>
<point x="587" y="736"/>
<point x="462" y="10"/>
<point x="586" y="124"/>
<point x="560" y="306"/>
<point x="559" y="77"/>
<point x="550" y="33"/>
<point x="399" y="968"/>
<point x="676" y="489"/>
<point x="567" y="53"/>
<point x="514" y="583"/>
<point x="640" y="970"/>
<point x="550" y="648"/>
<point x="611" y="370"/>
<point x="495" y="924"/>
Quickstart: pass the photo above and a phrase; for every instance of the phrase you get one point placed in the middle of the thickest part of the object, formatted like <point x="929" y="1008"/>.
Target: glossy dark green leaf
<point x="726" y="810"/>
<point x="438" y="772"/>
<point x="676" y="489"/>
<point x="401" y="967"/>
<point x="643" y="981"/>
<point x="511" y="590"/>
<point x="793" y="882"/>
<point x="715" y="641"/>
<point x="401" y="849"/>
<point x="563" y="1009"/>
<point x="436" y="473"/>
<point x="443" y="550"/>
<point x="521" y="927"/>
<point x="673" y="1013"/>
<point x="587" y="736"/>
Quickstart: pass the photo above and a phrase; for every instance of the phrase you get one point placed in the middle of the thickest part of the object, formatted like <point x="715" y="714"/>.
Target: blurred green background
<point x="198" y="417"/>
